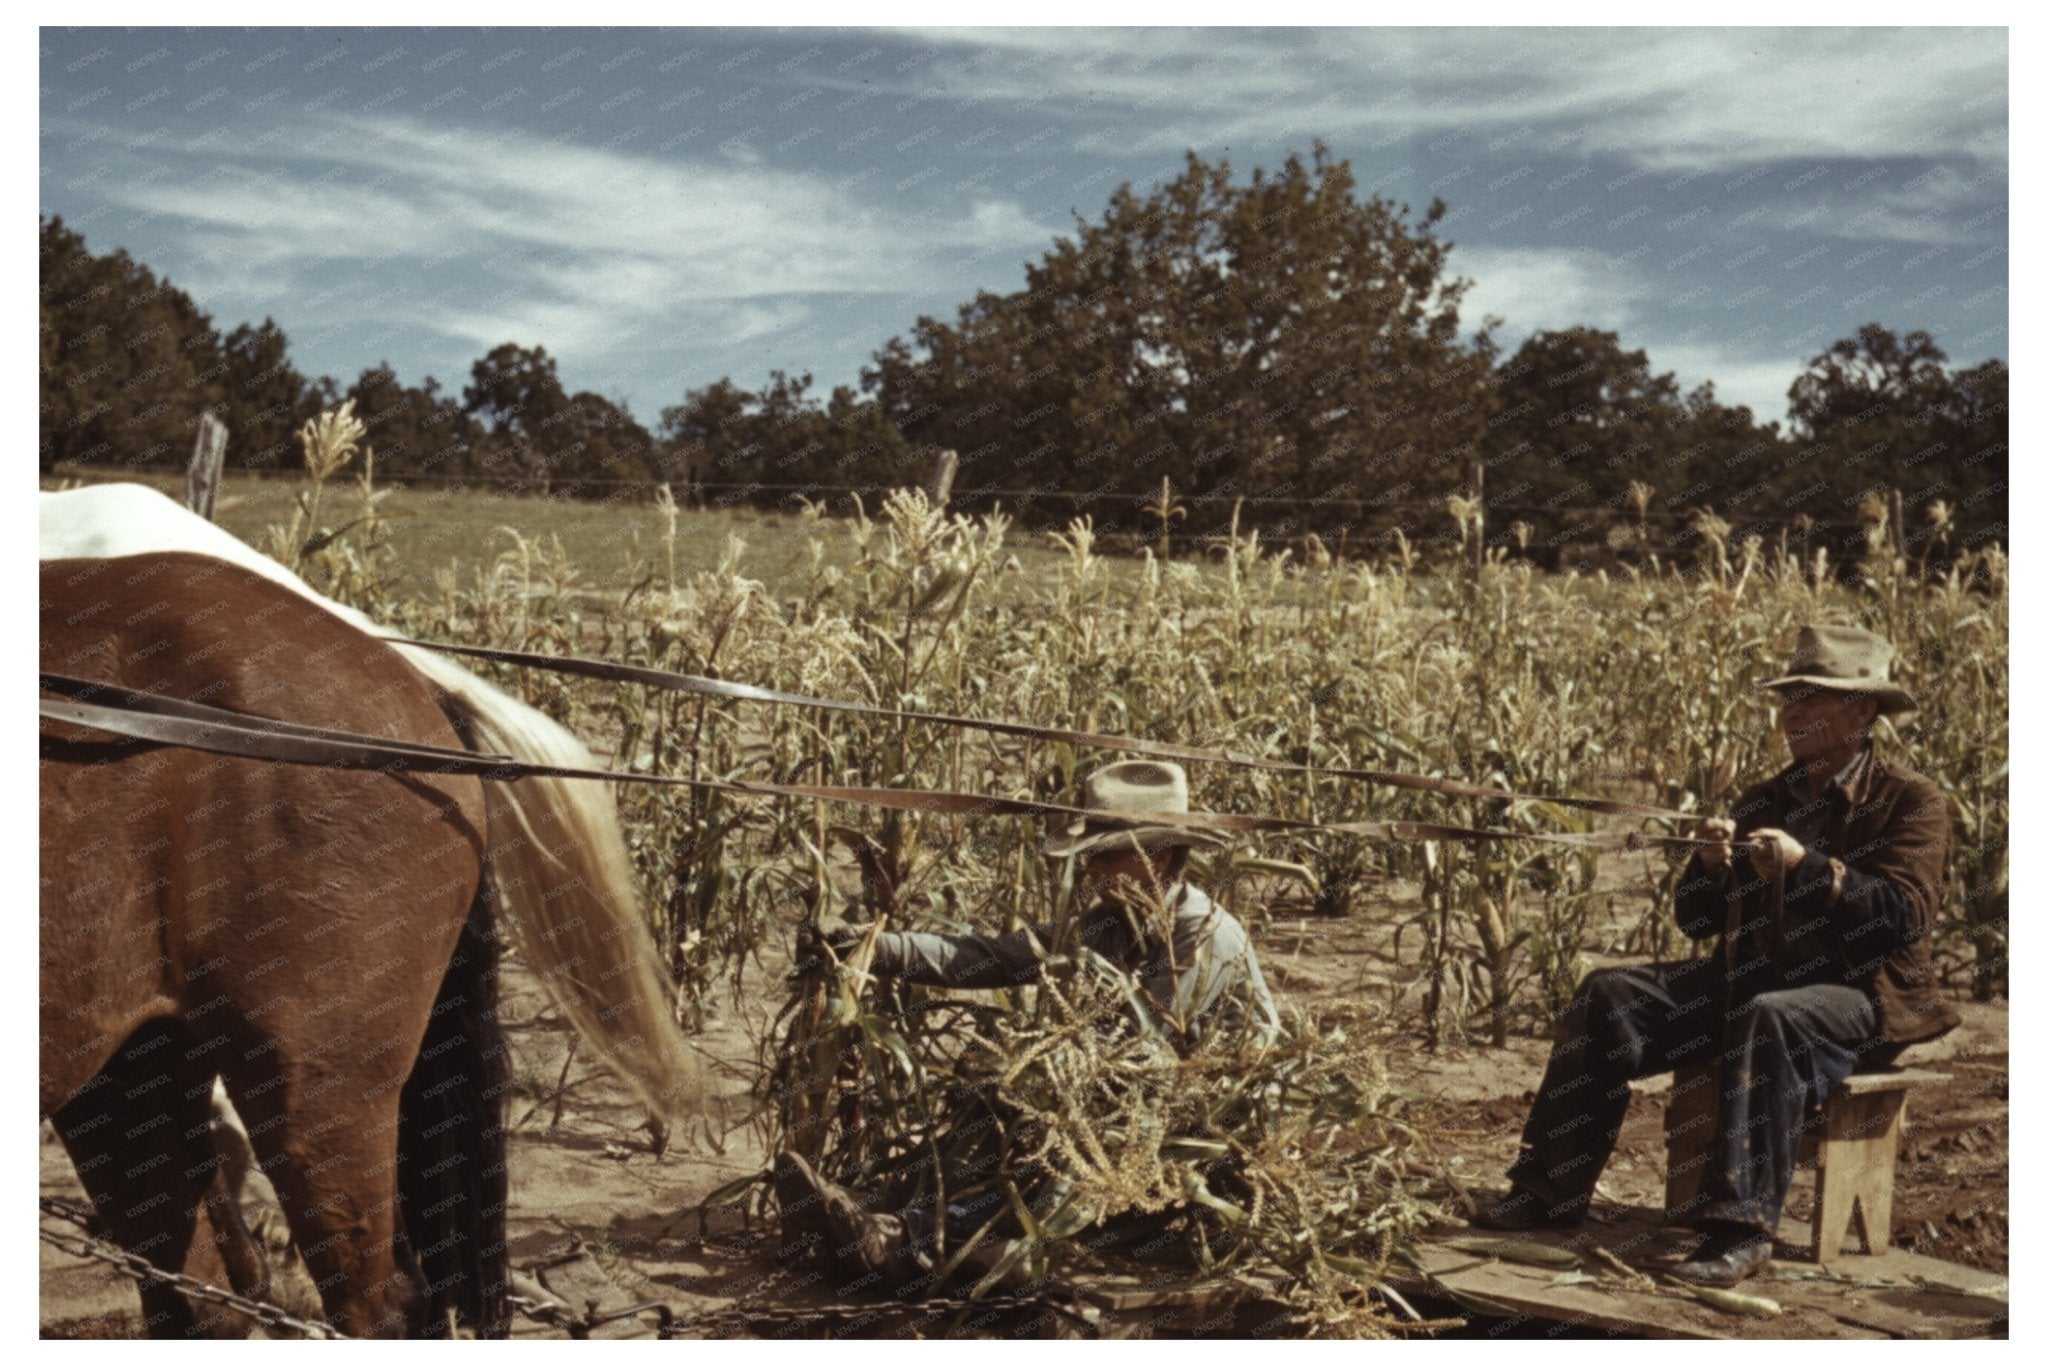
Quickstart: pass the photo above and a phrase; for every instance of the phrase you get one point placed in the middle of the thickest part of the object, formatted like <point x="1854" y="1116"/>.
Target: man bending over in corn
<point x="1197" y="972"/>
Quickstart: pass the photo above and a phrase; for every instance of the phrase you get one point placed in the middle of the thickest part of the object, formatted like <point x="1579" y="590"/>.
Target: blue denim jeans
<point x="1782" y="1053"/>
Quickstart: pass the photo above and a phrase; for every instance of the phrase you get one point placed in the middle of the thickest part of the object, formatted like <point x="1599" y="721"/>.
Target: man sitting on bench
<point x="1823" y="966"/>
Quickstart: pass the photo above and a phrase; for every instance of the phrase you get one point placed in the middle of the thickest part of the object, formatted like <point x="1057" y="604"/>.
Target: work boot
<point x="1522" y="1211"/>
<point x="861" y="1251"/>
<point x="1731" y="1254"/>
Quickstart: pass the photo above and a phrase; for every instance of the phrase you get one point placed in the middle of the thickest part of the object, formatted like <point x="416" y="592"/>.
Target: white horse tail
<point x="566" y="892"/>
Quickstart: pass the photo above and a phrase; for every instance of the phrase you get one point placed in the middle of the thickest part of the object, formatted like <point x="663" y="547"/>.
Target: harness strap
<point x="257" y="728"/>
<point x="610" y="672"/>
<point x="157" y="719"/>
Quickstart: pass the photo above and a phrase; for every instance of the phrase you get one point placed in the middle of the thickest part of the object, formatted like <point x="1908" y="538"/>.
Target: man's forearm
<point x="959" y="960"/>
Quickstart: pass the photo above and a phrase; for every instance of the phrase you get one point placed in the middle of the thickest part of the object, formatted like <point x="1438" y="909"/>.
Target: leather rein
<point x="154" y="718"/>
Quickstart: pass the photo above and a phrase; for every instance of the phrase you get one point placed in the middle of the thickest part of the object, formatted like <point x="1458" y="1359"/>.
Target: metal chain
<point x="555" y="1314"/>
<point x="141" y="1270"/>
<point x="673" y="1325"/>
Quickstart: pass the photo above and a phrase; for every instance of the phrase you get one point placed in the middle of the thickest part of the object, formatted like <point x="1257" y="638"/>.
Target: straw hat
<point x="1135" y="787"/>
<point x="1844" y="659"/>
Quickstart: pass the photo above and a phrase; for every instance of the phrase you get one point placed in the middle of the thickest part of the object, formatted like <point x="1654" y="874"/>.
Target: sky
<point x="661" y="208"/>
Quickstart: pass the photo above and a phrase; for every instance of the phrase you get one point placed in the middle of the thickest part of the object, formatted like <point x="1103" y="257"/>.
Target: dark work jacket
<point x="1858" y="909"/>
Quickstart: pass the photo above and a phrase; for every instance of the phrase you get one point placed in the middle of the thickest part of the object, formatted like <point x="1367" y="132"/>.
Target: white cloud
<point x="632" y="228"/>
<point x="1719" y="98"/>
<point x="1758" y="382"/>
<point x="1534" y="288"/>
<point x="594" y="252"/>
<point x="1666" y="98"/>
<point x="1940" y="206"/>
<point x="261" y="219"/>
<point x="1000" y="223"/>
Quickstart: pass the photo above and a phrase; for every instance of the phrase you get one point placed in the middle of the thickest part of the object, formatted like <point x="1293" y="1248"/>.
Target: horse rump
<point x="452" y="1186"/>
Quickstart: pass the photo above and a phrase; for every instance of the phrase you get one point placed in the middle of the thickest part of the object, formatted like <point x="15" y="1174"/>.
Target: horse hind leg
<point x="331" y="1155"/>
<point x="138" y="1136"/>
<point x="394" y="1180"/>
<point x="452" y="1179"/>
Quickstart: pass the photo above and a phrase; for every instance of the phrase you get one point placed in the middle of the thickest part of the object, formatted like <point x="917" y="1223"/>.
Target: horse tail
<point x="567" y="894"/>
<point x="452" y="1182"/>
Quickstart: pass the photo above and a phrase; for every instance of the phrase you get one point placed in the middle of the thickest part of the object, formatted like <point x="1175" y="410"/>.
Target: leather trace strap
<point x="156" y="719"/>
<point x="610" y="672"/>
<point x="150" y="715"/>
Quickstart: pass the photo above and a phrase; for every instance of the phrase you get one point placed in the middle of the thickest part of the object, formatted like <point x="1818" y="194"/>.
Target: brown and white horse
<point x="322" y="941"/>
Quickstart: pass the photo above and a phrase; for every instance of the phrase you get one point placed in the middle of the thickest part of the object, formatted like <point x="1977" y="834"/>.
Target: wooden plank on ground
<point x="1524" y="1293"/>
<point x="1895" y="1294"/>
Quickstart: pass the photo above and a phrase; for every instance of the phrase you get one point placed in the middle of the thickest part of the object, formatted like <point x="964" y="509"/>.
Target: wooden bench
<point x="1854" y="1147"/>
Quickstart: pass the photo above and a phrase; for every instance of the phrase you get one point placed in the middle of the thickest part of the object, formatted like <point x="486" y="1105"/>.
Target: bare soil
<point x="586" y="1178"/>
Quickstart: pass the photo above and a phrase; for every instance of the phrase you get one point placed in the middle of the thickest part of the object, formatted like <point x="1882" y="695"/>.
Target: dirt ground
<point x="585" y="1178"/>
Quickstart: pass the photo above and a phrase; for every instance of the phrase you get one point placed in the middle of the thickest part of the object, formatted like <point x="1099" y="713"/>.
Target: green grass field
<point x="614" y="545"/>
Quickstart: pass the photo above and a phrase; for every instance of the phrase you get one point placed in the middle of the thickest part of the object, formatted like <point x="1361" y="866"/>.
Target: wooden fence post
<point x="940" y="490"/>
<point x="1898" y="511"/>
<point x="1478" y="468"/>
<point x="209" y="455"/>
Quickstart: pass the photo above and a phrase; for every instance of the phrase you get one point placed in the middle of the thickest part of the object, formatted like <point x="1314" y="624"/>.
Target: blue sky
<point x="660" y="208"/>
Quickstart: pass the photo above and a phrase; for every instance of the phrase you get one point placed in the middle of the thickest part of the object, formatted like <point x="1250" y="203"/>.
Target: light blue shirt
<point x="1209" y="973"/>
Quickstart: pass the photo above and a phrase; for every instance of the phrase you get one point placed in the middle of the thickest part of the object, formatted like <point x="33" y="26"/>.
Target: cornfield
<point x="1635" y="685"/>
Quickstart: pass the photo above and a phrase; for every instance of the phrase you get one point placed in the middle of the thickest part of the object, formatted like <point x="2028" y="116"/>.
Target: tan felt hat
<point x="1135" y="787"/>
<point x="1844" y="659"/>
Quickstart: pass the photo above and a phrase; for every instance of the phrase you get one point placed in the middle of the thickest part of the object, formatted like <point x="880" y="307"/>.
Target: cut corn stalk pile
<point x="1094" y="1145"/>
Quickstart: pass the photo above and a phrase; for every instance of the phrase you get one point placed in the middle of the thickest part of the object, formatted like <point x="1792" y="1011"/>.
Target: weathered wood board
<point x="1893" y="1295"/>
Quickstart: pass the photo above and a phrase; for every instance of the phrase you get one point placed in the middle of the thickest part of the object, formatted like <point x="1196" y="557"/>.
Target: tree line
<point x="1278" y="340"/>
